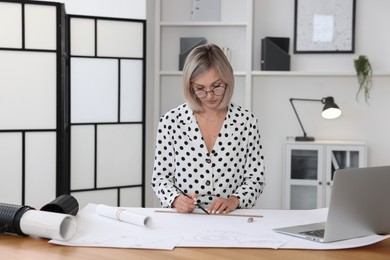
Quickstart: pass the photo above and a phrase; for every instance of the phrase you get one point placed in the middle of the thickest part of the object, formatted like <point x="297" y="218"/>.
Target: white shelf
<point x="288" y="73"/>
<point x="180" y="73"/>
<point x="203" y="24"/>
<point x="333" y="142"/>
<point x="314" y="73"/>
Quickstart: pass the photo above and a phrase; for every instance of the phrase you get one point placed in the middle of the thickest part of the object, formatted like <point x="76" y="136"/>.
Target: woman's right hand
<point x="184" y="204"/>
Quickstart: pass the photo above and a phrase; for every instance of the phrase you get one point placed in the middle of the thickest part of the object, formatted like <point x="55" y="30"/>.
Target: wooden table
<point x="16" y="247"/>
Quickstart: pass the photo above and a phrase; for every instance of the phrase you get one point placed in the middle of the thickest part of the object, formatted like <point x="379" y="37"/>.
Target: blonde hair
<point x="200" y="60"/>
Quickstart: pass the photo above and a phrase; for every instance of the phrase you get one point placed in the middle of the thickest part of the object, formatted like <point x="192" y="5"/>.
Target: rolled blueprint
<point x="124" y="215"/>
<point x="48" y="224"/>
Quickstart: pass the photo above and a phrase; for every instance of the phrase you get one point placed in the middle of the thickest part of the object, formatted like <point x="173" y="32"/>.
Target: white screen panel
<point x="119" y="155"/>
<point x="40" y="168"/>
<point x="82" y="37"/>
<point x="119" y="39"/>
<point x="82" y="157"/>
<point x="11" y="168"/>
<point x="28" y="90"/>
<point x="131" y="197"/>
<point x="40" y="27"/>
<point x="94" y="90"/>
<point x="10" y="25"/>
<point x="107" y="197"/>
<point x="131" y="90"/>
<point x="135" y="9"/>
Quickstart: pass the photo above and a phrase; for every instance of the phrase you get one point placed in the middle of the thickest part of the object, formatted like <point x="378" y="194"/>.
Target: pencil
<point x="197" y="204"/>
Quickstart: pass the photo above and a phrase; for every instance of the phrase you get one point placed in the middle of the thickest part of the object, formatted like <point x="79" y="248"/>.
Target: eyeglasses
<point x="218" y="91"/>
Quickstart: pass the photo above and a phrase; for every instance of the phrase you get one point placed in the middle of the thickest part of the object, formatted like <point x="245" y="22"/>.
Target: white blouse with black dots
<point x="233" y="167"/>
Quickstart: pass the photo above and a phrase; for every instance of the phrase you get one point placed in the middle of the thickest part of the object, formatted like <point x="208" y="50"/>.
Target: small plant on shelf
<point x="364" y="75"/>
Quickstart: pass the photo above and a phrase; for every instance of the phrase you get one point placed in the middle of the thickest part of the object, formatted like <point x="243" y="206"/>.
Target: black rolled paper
<point x="66" y="204"/>
<point x="10" y="216"/>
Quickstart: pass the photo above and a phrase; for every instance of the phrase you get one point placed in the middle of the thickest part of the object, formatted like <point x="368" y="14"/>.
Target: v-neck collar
<point x="191" y="129"/>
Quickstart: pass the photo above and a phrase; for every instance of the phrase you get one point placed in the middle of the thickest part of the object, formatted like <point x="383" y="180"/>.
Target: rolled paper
<point x="10" y="216"/>
<point x="48" y="225"/>
<point x="124" y="215"/>
<point x="65" y="204"/>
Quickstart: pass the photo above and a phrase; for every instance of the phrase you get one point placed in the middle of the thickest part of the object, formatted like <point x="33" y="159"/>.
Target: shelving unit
<point x="316" y="73"/>
<point x="235" y="23"/>
<point x="310" y="167"/>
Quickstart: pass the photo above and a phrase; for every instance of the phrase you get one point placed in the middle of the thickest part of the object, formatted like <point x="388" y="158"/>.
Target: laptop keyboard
<point x="314" y="233"/>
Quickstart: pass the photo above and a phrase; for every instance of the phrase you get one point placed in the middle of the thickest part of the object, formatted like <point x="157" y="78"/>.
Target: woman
<point x="208" y="148"/>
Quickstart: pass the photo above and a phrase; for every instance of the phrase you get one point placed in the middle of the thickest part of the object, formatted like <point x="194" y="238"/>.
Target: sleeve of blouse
<point x="163" y="170"/>
<point x="254" y="179"/>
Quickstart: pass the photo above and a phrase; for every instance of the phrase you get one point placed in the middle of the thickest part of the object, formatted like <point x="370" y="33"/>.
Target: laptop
<point x="359" y="206"/>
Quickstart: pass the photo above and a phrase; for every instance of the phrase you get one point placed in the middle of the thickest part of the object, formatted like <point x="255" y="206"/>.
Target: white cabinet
<point x="309" y="170"/>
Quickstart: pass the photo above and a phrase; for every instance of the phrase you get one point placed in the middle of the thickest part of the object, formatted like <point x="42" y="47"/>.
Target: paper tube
<point x="48" y="224"/>
<point x="124" y="215"/>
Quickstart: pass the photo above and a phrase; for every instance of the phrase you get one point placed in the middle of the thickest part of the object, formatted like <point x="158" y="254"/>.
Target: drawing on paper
<point x="233" y="238"/>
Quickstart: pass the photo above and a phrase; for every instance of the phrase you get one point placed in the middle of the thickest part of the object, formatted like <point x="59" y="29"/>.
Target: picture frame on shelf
<point x="324" y="26"/>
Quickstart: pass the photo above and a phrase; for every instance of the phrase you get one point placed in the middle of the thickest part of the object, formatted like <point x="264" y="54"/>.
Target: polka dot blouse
<point x="233" y="167"/>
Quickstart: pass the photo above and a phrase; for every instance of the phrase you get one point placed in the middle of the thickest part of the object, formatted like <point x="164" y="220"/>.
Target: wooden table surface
<point x="16" y="247"/>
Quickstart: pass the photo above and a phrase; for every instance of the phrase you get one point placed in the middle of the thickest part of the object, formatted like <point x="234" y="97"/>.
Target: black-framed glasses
<point x="218" y="91"/>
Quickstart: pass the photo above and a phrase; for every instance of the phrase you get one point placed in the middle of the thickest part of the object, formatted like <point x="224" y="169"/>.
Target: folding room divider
<point x="31" y="150"/>
<point x="72" y="104"/>
<point x="107" y="74"/>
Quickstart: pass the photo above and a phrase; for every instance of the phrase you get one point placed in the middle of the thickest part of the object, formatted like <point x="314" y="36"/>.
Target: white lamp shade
<point x="331" y="113"/>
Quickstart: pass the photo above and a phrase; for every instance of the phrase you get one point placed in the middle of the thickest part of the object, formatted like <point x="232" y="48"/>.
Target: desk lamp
<point x="330" y="111"/>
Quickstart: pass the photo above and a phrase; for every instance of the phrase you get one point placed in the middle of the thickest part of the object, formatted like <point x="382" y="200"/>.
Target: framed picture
<point x="323" y="26"/>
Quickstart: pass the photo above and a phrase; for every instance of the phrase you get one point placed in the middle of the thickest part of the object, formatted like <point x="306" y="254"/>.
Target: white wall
<point x="371" y="37"/>
<point x="360" y="121"/>
<point x="271" y="94"/>
<point x="132" y="9"/>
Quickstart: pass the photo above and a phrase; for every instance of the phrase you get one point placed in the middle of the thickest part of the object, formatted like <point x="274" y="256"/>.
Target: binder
<point x="187" y="44"/>
<point x="275" y="53"/>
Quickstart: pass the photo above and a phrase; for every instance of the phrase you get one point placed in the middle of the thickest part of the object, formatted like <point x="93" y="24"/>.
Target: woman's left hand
<point x="224" y="206"/>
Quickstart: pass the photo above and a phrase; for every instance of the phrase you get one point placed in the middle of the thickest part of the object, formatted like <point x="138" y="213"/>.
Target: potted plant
<point x="364" y="75"/>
